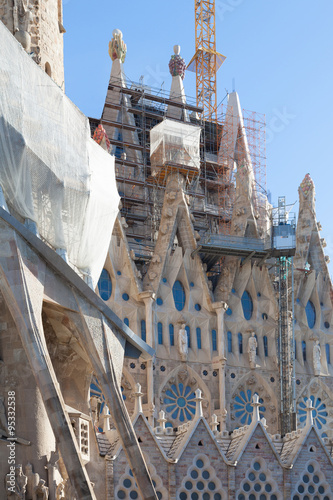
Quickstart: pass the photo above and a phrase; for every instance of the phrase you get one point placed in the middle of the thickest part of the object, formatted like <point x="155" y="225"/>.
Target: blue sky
<point x="278" y="52"/>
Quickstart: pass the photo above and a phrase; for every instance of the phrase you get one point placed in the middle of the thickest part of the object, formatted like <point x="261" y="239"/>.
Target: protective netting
<point x="51" y="171"/>
<point x="173" y="142"/>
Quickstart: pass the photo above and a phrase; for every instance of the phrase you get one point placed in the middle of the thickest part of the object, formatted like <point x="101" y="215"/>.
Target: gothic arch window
<point x="214" y="340"/>
<point x="201" y="482"/>
<point x="328" y="354"/>
<point x="126" y="321"/>
<point x="198" y="332"/>
<point x="247" y="305"/>
<point x="160" y="333"/>
<point x="229" y="337"/>
<point x="171" y="334"/>
<point x="240" y="343"/>
<point x="143" y="330"/>
<point x="304" y="350"/>
<point x="105" y="285"/>
<point x="265" y="346"/>
<point x="179" y="295"/>
<point x="310" y="311"/>
<point x="258" y="483"/>
<point x="188" y="331"/>
<point x="312" y="484"/>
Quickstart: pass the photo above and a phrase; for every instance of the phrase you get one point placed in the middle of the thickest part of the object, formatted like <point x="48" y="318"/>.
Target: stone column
<point x="219" y="361"/>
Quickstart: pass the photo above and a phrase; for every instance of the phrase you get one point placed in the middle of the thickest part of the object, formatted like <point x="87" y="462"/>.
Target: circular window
<point x="229" y="311"/>
<point x="125" y="296"/>
<point x="159" y="301"/>
<point x="310" y="311"/>
<point x="326" y="324"/>
<point x="105" y="285"/>
<point x="179" y="295"/>
<point x="247" y="305"/>
<point x="197" y="307"/>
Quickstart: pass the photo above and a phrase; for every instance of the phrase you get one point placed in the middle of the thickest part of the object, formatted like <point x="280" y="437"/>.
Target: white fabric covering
<point x="51" y="171"/>
<point x="175" y="142"/>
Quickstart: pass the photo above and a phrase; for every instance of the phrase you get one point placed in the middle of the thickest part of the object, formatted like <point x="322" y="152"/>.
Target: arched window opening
<point x="188" y="331"/>
<point x="126" y="321"/>
<point x="265" y="346"/>
<point x="214" y="340"/>
<point x="171" y="334"/>
<point x="160" y="333"/>
<point x="199" y="338"/>
<point x="178" y="295"/>
<point x="328" y="354"/>
<point x="304" y="350"/>
<point x="310" y="311"/>
<point x="229" y="336"/>
<point x="143" y="330"/>
<point x="247" y="305"/>
<point x="240" y="343"/>
<point x="105" y="285"/>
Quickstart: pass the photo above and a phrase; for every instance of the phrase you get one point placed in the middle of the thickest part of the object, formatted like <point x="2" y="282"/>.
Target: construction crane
<point x="206" y="61"/>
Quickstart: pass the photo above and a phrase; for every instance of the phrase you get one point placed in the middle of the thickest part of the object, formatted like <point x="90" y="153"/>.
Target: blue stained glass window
<point x="171" y="334"/>
<point x="178" y="295"/>
<point x="304" y="350"/>
<point x="197" y="307"/>
<point x="247" y="305"/>
<point x="159" y="301"/>
<point x="160" y="333"/>
<point x="214" y="340"/>
<point x="257" y="349"/>
<point x="125" y="296"/>
<point x="105" y="285"/>
<point x="229" y="337"/>
<point x="188" y="331"/>
<point x="229" y="311"/>
<point x="126" y="321"/>
<point x="265" y="346"/>
<point x="143" y="330"/>
<point x="295" y="350"/>
<point x="310" y="311"/>
<point x="328" y="354"/>
<point x="199" y="338"/>
<point x="240" y="343"/>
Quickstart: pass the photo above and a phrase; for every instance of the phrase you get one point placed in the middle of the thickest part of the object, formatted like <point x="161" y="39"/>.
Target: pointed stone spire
<point x="161" y="420"/>
<point x="306" y="192"/>
<point x="256" y="405"/>
<point x="309" y="416"/>
<point x="214" y="423"/>
<point x="177" y="68"/>
<point x="138" y="399"/>
<point x="198" y="402"/>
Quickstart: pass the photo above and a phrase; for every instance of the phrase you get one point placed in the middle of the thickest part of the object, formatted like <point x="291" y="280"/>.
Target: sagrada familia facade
<point x="164" y="331"/>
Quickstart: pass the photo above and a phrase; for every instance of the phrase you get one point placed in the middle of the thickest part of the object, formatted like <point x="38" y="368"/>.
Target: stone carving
<point x="177" y="65"/>
<point x="183" y="343"/>
<point x="21" y="20"/>
<point x="252" y="350"/>
<point x="41" y="491"/>
<point x="32" y="480"/>
<point x="16" y="484"/>
<point x="117" y="47"/>
<point x="316" y="358"/>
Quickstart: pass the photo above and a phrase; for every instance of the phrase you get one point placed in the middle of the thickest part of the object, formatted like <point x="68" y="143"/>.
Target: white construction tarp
<point x="51" y="171"/>
<point x="175" y="142"/>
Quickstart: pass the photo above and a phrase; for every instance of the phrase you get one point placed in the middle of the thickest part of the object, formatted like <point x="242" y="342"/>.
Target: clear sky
<point x="279" y="54"/>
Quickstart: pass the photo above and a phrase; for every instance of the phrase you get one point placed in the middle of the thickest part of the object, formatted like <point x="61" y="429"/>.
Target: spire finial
<point x="138" y="399"/>
<point x="117" y="46"/>
<point x="161" y="420"/>
<point x="214" y="423"/>
<point x="198" y="400"/>
<point x="177" y="65"/>
<point x="255" y="404"/>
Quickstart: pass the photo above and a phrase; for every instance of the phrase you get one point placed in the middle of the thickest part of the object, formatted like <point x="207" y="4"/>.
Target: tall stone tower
<point x="37" y="25"/>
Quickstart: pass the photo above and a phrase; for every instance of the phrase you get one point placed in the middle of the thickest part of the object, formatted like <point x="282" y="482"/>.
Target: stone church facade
<point x="185" y="351"/>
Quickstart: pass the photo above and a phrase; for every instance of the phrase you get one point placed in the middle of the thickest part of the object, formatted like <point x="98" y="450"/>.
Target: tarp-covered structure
<point x="175" y="142"/>
<point x="51" y="171"/>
